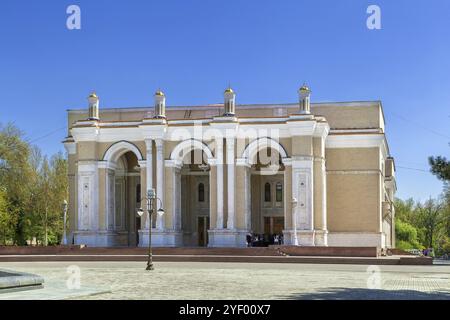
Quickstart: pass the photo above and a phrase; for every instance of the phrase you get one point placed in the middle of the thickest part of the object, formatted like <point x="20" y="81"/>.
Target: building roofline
<point x="246" y="106"/>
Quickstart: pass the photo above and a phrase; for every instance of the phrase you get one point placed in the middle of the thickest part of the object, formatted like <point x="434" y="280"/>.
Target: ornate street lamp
<point x="151" y="201"/>
<point x="294" y="220"/>
<point x="65" y="205"/>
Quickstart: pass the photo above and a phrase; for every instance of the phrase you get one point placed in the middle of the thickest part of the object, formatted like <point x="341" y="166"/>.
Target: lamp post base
<point x="150" y="267"/>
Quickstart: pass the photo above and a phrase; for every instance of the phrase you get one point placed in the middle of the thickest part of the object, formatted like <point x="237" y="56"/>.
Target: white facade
<point x="221" y="178"/>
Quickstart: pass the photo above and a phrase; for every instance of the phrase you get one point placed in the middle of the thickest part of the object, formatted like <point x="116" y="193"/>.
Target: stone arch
<point x="250" y="152"/>
<point x="121" y="181"/>
<point x="186" y="146"/>
<point x="116" y="150"/>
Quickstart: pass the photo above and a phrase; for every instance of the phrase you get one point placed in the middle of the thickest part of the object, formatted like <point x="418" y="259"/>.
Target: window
<point x="279" y="192"/>
<point x="267" y="192"/>
<point x="201" y="192"/>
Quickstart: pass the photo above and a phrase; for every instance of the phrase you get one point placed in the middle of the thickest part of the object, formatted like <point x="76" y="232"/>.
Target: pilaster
<point x="220" y="191"/>
<point x="160" y="180"/>
<point x="231" y="221"/>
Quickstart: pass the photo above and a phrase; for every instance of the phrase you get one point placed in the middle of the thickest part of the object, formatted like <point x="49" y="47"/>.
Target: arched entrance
<point x="192" y="191"/>
<point x="195" y="214"/>
<point x="267" y="193"/>
<point x="266" y="207"/>
<point x="123" y="194"/>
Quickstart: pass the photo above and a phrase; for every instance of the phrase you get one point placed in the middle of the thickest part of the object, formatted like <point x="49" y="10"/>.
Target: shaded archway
<point x="267" y="211"/>
<point x="123" y="193"/>
<point x="191" y="161"/>
<point x="267" y="195"/>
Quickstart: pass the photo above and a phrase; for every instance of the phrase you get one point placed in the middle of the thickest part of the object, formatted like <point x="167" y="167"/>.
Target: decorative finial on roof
<point x="304" y="99"/>
<point x="93" y="106"/>
<point x="93" y="95"/>
<point x="160" y="104"/>
<point x="304" y="88"/>
<point x="229" y="103"/>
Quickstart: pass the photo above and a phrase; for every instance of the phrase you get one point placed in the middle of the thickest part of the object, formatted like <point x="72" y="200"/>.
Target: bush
<point x="404" y="245"/>
<point x="406" y="236"/>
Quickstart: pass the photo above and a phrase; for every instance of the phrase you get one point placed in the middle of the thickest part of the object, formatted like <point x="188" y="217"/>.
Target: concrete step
<point x="278" y="254"/>
<point x="222" y="258"/>
<point x="77" y="250"/>
<point x="328" y="251"/>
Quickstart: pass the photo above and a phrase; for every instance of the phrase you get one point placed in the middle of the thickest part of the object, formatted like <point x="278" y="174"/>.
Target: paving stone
<point x="209" y="280"/>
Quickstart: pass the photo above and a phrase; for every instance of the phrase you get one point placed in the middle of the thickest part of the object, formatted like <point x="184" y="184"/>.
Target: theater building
<point x="319" y="174"/>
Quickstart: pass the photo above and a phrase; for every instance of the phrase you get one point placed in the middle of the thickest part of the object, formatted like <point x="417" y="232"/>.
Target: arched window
<point x="279" y="192"/>
<point x="267" y="197"/>
<point x="201" y="192"/>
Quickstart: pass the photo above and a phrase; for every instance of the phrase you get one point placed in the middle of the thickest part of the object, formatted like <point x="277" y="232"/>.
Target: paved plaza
<point x="194" y="280"/>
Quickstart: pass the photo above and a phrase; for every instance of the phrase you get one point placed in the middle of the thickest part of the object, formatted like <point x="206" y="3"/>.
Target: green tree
<point x="6" y="219"/>
<point x="440" y="167"/>
<point x="404" y="210"/>
<point x="49" y="189"/>
<point x="58" y="188"/>
<point x="431" y="218"/>
<point x="32" y="191"/>
<point x="406" y="236"/>
<point x="14" y="172"/>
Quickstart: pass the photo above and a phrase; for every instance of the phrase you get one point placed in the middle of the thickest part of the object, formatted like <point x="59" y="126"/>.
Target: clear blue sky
<point x="266" y="49"/>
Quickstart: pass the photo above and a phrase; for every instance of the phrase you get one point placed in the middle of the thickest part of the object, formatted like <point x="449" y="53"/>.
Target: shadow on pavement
<point x="368" y="294"/>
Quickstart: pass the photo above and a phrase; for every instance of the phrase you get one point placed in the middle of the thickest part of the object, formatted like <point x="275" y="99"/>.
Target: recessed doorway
<point x="202" y="229"/>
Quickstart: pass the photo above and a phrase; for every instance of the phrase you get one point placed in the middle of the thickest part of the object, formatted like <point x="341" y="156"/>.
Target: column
<point x="143" y="177"/>
<point x="170" y="205"/>
<point x="248" y="199"/>
<point x="324" y="203"/>
<point x="231" y="183"/>
<point x="219" y="168"/>
<point x="212" y="194"/>
<point x="159" y="180"/>
<point x="176" y="197"/>
<point x="323" y="178"/>
<point x="288" y="223"/>
<point x="110" y="198"/>
<point x="320" y="193"/>
<point x="148" y="174"/>
<point x="302" y="190"/>
<point x="88" y="203"/>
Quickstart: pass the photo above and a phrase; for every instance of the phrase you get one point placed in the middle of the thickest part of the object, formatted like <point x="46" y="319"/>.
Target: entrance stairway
<point x="272" y="254"/>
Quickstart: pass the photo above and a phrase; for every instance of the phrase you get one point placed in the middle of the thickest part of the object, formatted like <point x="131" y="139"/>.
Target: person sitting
<point x="276" y="240"/>
<point x="249" y="240"/>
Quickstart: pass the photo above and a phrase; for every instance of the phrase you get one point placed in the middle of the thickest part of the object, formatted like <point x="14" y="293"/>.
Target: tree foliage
<point x="406" y="236"/>
<point x="440" y="167"/>
<point x="422" y="225"/>
<point x="33" y="189"/>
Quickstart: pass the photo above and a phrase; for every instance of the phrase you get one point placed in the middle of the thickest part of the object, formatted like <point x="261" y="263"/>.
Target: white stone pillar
<point x="248" y="199"/>
<point x="324" y="196"/>
<point x="219" y="166"/>
<point x="231" y="183"/>
<point x="160" y="180"/>
<point x="110" y="198"/>
<point x="302" y="190"/>
<point x="148" y="174"/>
<point x="176" y="198"/>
